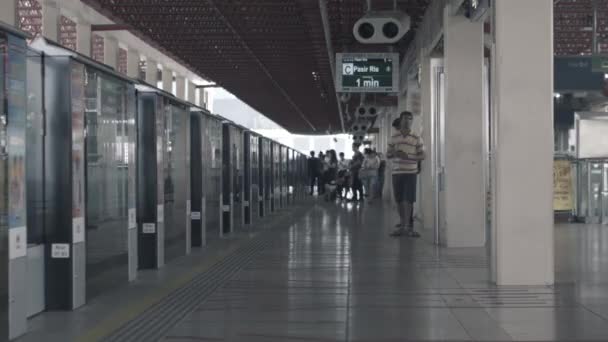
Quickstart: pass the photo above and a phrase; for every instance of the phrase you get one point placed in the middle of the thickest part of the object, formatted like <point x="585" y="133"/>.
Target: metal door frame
<point x="437" y="143"/>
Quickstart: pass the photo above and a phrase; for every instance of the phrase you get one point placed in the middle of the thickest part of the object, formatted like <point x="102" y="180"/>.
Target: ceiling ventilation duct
<point x="382" y="27"/>
<point x="366" y="112"/>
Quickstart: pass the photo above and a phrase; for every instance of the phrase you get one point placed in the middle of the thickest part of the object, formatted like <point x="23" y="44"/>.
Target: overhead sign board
<point x="367" y="72"/>
<point x="575" y="73"/>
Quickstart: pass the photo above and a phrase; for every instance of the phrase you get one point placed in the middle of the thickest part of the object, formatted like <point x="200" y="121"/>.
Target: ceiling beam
<point x="110" y="27"/>
<point x="331" y="55"/>
<point x="261" y="65"/>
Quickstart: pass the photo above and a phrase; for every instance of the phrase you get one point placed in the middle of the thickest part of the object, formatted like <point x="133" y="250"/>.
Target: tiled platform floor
<point x="336" y="275"/>
<point x="332" y="273"/>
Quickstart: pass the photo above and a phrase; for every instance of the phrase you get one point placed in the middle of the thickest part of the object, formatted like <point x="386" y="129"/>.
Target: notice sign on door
<point x="60" y="251"/>
<point x="562" y="185"/>
<point x="160" y="213"/>
<point x="17" y="242"/>
<point x="149" y="228"/>
<point x="132" y="218"/>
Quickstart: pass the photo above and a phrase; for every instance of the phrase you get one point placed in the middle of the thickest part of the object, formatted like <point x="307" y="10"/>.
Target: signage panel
<point x="367" y="72"/>
<point x="562" y="185"/>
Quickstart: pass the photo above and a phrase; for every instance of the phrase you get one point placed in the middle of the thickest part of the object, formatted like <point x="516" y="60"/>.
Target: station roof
<point x="271" y="54"/>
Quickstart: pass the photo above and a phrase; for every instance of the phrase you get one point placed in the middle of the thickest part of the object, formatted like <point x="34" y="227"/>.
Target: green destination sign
<point x="372" y="72"/>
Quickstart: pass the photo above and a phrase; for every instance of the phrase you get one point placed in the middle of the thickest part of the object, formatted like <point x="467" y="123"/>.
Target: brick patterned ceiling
<point x="573" y="22"/>
<point x="270" y="53"/>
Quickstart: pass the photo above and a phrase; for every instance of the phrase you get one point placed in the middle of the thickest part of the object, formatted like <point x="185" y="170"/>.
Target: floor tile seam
<point x="316" y="339"/>
<point x="263" y="240"/>
<point x="246" y="245"/>
<point x="162" y="295"/>
<point x="209" y="290"/>
<point x="594" y="312"/>
<point x="464" y="328"/>
<point x="173" y="301"/>
<point x="191" y="338"/>
<point x="282" y="321"/>
<point x="275" y="289"/>
<point x="349" y="287"/>
<point x="460" y="323"/>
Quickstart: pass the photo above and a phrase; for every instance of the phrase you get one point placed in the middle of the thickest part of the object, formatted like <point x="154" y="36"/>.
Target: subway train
<point x="104" y="176"/>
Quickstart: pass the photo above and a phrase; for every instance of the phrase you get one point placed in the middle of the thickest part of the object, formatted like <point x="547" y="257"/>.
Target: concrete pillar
<point x="522" y="95"/>
<point x="464" y="131"/>
<point x="191" y="92"/>
<point x="200" y="99"/>
<point x="151" y="72"/>
<point x="50" y="20"/>
<point x="83" y="37"/>
<point x="427" y="183"/>
<point x="133" y="63"/>
<point x="110" y="51"/>
<point x="167" y="80"/>
<point x="8" y="12"/>
<point x="180" y="87"/>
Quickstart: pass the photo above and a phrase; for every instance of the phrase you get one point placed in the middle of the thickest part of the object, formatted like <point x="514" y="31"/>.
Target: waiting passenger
<point x="355" y="167"/>
<point x="321" y="170"/>
<point x="406" y="149"/>
<point x="381" y="175"/>
<point x="313" y="171"/>
<point x="342" y="180"/>
<point x="330" y="175"/>
<point x="369" y="173"/>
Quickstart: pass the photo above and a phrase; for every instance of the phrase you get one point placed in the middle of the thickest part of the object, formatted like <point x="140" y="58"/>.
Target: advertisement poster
<point x="562" y="185"/>
<point x="16" y="118"/>
<point x="78" y="162"/>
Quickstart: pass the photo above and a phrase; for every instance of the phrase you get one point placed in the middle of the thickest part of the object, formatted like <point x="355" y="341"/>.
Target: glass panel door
<point x="106" y="183"/>
<point x="175" y="181"/>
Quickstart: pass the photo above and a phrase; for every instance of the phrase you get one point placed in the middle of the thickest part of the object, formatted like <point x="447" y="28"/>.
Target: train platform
<point x="325" y="272"/>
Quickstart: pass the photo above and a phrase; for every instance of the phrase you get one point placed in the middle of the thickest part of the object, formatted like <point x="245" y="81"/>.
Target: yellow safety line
<point x="132" y="311"/>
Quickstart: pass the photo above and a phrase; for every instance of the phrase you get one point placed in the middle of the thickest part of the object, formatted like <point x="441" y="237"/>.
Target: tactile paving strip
<point x="158" y="319"/>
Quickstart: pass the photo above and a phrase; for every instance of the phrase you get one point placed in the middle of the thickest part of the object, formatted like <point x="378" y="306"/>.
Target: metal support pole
<point x="331" y="55"/>
<point x="595" y="48"/>
<point x="110" y="27"/>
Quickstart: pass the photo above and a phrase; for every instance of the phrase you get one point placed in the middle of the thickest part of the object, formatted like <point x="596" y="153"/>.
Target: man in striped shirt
<point x="406" y="149"/>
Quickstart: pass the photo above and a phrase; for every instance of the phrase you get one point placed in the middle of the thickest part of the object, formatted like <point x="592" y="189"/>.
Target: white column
<point x="522" y="94"/>
<point x="8" y="12"/>
<point x="464" y="131"/>
<point x="151" y="72"/>
<point x="180" y="87"/>
<point x="201" y="98"/>
<point x="191" y="92"/>
<point x="427" y="185"/>
<point x="83" y="37"/>
<point x="167" y="76"/>
<point x="110" y="51"/>
<point x="132" y="63"/>
<point x="50" y="20"/>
